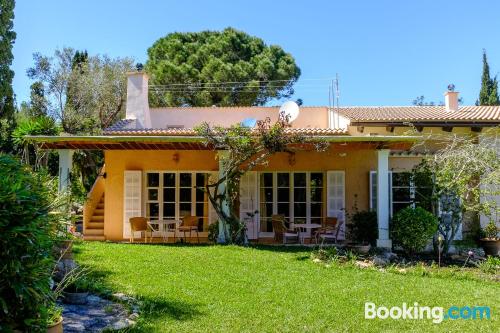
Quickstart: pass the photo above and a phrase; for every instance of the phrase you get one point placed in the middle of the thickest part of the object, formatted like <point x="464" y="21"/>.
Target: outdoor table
<point x="163" y="227"/>
<point x="306" y="226"/>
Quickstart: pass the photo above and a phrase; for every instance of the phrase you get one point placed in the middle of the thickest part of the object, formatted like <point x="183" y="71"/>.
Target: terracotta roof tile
<point x="421" y="113"/>
<point x="190" y="132"/>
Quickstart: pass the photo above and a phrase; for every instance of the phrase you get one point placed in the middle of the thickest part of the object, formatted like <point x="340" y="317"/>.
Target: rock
<point x="316" y="260"/>
<point x="120" y="324"/>
<point x="390" y="256"/>
<point x="380" y="261"/>
<point x="363" y="264"/>
<point x="134" y="316"/>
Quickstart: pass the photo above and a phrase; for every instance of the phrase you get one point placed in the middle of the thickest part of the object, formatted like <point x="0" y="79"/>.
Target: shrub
<point x="364" y="227"/>
<point x="412" y="228"/>
<point x="491" y="230"/>
<point x="26" y="228"/>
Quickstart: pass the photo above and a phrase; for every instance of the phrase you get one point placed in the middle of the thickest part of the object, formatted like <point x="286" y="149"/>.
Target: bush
<point x="364" y="227"/>
<point x="412" y="228"/>
<point x="26" y="228"/>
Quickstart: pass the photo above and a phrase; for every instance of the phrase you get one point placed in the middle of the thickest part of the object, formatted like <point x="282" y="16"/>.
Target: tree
<point x="420" y="101"/>
<point x="224" y="68"/>
<point x="460" y="172"/>
<point x="7" y="38"/>
<point x="85" y="94"/>
<point x="488" y="95"/>
<point x="241" y="149"/>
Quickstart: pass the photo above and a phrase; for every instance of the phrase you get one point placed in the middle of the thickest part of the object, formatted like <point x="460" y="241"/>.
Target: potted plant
<point x="76" y="291"/>
<point x="363" y="229"/>
<point x="491" y="242"/>
<point x="54" y="319"/>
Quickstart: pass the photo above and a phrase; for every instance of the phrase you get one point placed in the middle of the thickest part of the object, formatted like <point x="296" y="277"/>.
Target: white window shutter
<point x="336" y="198"/>
<point x="132" y="196"/>
<point x="248" y="202"/>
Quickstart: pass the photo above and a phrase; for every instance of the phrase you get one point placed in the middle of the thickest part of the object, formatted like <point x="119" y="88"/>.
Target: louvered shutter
<point x="132" y="201"/>
<point x="336" y="198"/>
<point x="248" y="203"/>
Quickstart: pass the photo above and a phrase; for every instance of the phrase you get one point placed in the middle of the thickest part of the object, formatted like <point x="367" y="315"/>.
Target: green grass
<point x="268" y="289"/>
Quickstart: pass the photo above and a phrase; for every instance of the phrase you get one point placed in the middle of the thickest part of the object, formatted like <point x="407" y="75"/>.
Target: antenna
<point x="337" y="90"/>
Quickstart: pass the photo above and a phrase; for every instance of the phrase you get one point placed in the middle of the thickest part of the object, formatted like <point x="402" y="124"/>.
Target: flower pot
<point x="360" y="248"/>
<point x="56" y="327"/>
<point x="78" y="298"/>
<point x="491" y="246"/>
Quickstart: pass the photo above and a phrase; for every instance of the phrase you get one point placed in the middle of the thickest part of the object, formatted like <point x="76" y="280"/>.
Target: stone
<point x="380" y="261"/>
<point x="363" y="264"/>
<point x="120" y="324"/>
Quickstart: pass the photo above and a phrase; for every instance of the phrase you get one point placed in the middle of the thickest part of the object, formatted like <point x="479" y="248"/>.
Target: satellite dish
<point x="290" y="110"/>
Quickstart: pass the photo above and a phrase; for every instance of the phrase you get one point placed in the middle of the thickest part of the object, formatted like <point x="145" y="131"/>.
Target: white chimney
<point x="137" y="99"/>
<point x="451" y="99"/>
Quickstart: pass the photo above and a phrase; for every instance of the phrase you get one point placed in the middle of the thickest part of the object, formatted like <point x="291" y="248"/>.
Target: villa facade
<point x="155" y="163"/>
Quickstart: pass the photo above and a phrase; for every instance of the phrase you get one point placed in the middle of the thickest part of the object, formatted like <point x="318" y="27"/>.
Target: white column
<point x="221" y="238"/>
<point x="65" y="166"/>
<point x="383" y="198"/>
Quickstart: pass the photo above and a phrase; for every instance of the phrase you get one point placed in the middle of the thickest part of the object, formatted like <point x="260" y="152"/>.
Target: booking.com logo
<point x="436" y="313"/>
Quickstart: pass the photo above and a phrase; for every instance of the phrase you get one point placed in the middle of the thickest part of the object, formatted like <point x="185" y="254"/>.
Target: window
<point x="404" y="192"/>
<point x="173" y="195"/>
<point x="299" y="196"/>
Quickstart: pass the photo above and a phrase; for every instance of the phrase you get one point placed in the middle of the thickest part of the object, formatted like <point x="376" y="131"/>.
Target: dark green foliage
<point x="209" y="60"/>
<point x="26" y="228"/>
<point x="488" y="95"/>
<point x="412" y="228"/>
<point x="26" y="148"/>
<point x="364" y="226"/>
<point x="7" y="38"/>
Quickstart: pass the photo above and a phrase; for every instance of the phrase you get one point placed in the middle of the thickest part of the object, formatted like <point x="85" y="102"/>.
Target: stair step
<point x="94" y="232"/>
<point x="95" y="225"/>
<point x="99" y="212"/>
<point x="97" y="218"/>
<point x="99" y="206"/>
<point x="93" y="238"/>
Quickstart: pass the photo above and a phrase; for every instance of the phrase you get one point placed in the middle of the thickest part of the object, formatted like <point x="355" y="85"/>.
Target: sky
<point x="385" y="52"/>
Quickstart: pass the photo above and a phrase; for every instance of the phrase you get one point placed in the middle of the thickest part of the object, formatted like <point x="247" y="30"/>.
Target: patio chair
<point x="140" y="224"/>
<point x="328" y="226"/>
<point x="329" y="234"/>
<point x="281" y="233"/>
<point x="189" y="223"/>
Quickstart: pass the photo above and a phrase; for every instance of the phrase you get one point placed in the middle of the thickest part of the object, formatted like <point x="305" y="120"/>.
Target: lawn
<point x="273" y="289"/>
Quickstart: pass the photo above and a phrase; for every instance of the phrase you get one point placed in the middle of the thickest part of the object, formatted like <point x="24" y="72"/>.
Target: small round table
<point x="306" y="226"/>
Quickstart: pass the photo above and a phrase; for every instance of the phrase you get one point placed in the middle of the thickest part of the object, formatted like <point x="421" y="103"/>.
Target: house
<point x="154" y="161"/>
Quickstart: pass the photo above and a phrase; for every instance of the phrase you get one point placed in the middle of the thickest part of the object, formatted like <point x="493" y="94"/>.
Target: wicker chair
<point x="140" y="224"/>
<point x="281" y="233"/>
<point x="189" y="223"/>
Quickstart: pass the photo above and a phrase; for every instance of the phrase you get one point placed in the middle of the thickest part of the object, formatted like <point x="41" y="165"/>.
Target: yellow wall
<point x="355" y="162"/>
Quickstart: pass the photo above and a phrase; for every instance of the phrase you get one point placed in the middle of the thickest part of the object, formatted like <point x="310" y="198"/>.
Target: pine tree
<point x="493" y="98"/>
<point x="484" y="93"/>
<point x="488" y="95"/>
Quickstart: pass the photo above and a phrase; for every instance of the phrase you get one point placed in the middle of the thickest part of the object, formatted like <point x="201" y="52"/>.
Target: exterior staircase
<point x="93" y="210"/>
<point x="95" y="226"/>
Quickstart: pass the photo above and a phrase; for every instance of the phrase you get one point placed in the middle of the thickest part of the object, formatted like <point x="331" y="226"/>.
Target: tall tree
<point x="222" y="68"/>
<point x="488" y="95"/>
<point x="7" y="38"/>
<point x="85" y="94"/>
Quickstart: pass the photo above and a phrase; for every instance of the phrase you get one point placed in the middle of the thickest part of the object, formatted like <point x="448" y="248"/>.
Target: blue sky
<point x="385" y="52"/>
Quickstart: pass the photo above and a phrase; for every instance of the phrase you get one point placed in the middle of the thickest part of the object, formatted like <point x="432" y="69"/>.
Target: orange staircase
<point x="93" y="211"/>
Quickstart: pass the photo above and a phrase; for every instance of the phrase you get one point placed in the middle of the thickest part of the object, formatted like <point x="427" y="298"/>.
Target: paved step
<point x="95" y="225"/>
<point x="94" y="232"/>
<point x="93" y="238"/>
